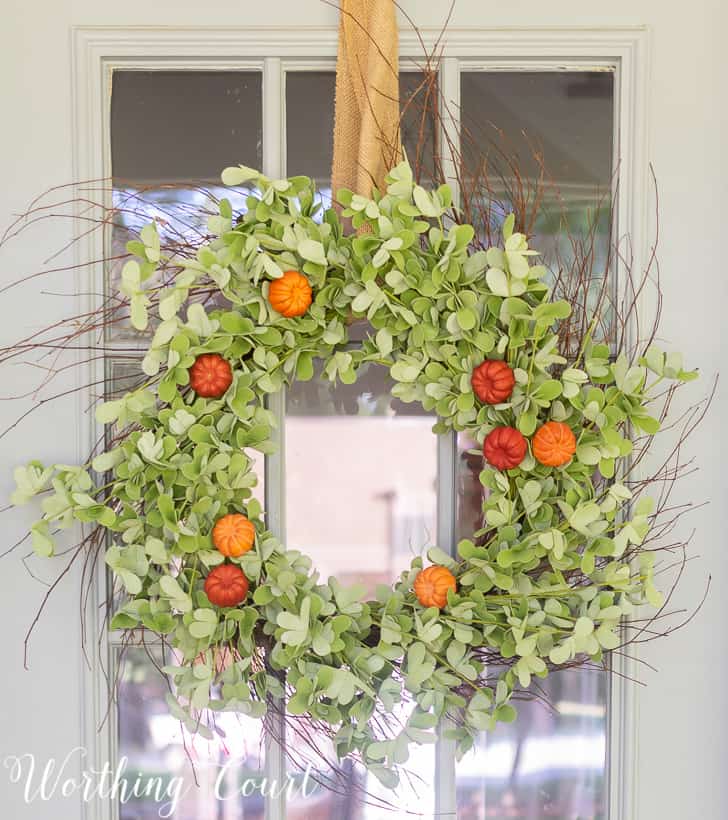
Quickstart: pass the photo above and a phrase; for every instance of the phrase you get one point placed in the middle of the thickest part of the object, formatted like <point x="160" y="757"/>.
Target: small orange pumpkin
<point x="210" y="375"/>
<point x="233" y="535"/>
<point x="505" y="448"/>
<point x="493" y="381"/>
<point x="554" y="444"/>
<point x="431" y="586"/>
<point x="291" y="294"/>
<point x="226" y="585"/>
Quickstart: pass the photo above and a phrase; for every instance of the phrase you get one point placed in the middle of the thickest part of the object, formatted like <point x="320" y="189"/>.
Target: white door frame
<point x="98" y="51"/>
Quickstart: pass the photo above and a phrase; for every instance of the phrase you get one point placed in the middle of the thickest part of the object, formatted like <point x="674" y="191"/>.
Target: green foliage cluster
<point x="548" y="580"/>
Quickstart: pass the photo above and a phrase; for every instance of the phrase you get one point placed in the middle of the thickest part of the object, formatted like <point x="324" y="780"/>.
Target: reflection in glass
<point x="183" y="126"/>
<point x="470" y="492"/>
<point x="549" y="763"/>
<point x="352" y="794"/>
<point x="419" y="128"/>
<point x="361" y="470"/>
<point x="172" y="133"/>
<point x="310" y="125"/>
<point x="544" y="136"/>
<point x="189" y="772"/>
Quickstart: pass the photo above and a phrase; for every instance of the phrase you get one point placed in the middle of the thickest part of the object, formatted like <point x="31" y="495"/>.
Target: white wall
<point x="683" y="715"/>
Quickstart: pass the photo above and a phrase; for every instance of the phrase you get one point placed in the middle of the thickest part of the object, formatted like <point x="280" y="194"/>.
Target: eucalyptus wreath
<point x="546" y="582"/>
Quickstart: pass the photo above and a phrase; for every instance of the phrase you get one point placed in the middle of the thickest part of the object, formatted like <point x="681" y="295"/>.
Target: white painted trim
<point x="97" y="51"/>
<point x="89" y="136"/>
<point x="631" y="157"/>
<point x="193" y="43"/>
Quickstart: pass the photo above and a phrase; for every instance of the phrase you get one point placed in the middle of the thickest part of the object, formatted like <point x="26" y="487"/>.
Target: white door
<point x="88" y="94"/>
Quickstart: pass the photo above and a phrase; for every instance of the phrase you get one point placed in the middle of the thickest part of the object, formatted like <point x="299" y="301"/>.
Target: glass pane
<point x="183" y="126"/>
<point x="549" y="763"/>
<point x="419" y="128"/>
<point x="172" y="133"/>
<point x="361" y="471"/>
<point x="351" y="794"/>
<point x="552" y="761"/>
<point x="542" y="142"/>
<point x="310" y="125"/>
<point x="169" y="773"/>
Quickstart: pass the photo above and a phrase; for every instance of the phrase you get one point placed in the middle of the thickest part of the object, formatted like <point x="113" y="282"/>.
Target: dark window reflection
<point x="310" y="125"/>
<point x="544" y="141"/>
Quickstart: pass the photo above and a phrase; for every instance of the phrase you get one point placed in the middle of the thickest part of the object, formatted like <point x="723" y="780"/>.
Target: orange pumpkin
<point x="233" y="535"/>
<point x="431" y="586"/>
<point x="505" y="448"/>
<point x="226" y="585"/>
<point x="291" y="294"/>
<point x="493" y="381"/>
<point x="210" y="375"/>
<point x="554" y="444"/>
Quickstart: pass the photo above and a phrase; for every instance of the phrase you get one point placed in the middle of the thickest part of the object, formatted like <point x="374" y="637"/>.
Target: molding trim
<point x="97" y="51"/>
<point x="265" y="41"/>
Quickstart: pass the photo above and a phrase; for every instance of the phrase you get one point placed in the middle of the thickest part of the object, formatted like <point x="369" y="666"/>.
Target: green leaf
<point x="109" y="411"/>
<point x="467" y="318"/>
<point x="295" y="626"/>
<point x="313" y="251"/>
<point x="238" y="174"/>
<point x="41" y="539"/>
<point x="587" y="454"/>
<point x="497" y="282"/>
<point x="384" y="341"/>
<point x="424" y="202"/>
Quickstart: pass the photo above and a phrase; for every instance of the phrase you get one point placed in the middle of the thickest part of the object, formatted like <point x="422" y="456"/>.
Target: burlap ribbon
<point x="366" y="128"/>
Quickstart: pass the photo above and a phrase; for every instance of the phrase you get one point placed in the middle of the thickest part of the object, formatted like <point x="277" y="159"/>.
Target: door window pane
<point x="361" y="472"/>
<point x="543" y="141"/>
<point x="556" y="127"/>
<point x="548" y="763"/>
<point x="361" y="468"/>
<point x="183" y="126"/>
<point x="310" y="125"/>
<point x="172" y="133"/>
<point x="352" y="793"/>
<point x="199" y="779"/>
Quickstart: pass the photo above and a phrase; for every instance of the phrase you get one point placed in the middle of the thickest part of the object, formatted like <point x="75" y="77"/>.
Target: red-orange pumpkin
<point x="432" y="584"/>
<point x="505" y="448"/>
<point x="554" y="444"/>
<point x="226" y="585"/>
<point x="233" y="535"/>
<point x="291" y="294"/>
<point x="210" y="375"/>
<point x="493" y="381"/>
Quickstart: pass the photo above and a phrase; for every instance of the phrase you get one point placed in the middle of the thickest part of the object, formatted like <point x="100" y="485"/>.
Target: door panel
<point x="680" y="710"/>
